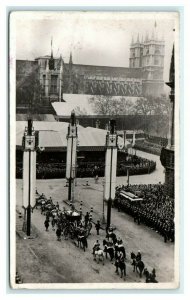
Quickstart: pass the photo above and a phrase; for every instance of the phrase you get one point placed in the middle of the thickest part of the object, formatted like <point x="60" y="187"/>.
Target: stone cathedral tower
<point x="148" y="55"/>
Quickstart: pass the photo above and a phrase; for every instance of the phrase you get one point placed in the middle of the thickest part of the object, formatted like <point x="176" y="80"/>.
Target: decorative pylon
<point x="30" y="143"/>
<point x="133" y="141"/>
<point x="171" y="84"/>
<point x="51" y="60"/>
<point x="110" y="168"/>
<point x="72" y="137"/>
<point x="70" y="59"/>
<point x="60" y="78"/>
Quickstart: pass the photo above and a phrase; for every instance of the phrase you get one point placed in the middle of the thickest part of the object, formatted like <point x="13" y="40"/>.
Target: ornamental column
<point x="110" y="168"/>
<point x="71" y="162"/>
<point x="30" y="143"/>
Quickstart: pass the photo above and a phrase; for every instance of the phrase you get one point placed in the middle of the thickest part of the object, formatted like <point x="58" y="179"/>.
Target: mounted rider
<point x="121" y="248"/>
<point x="42" y="196"/>
<point x="110" y="230"/>
<point x="81" y="230"/>
<point x="138" y="256"/>
<point x="96" y="247"/>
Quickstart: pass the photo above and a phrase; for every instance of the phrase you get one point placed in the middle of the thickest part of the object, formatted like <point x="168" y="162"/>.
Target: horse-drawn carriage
<point x="72" y="221"/>
<point x="74" y="228"/>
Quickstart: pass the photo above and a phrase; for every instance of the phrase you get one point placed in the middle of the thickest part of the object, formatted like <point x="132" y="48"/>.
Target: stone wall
<point x="75" y="77"/>
<point x="169" y="182"/>
<point x="167" y="159"/>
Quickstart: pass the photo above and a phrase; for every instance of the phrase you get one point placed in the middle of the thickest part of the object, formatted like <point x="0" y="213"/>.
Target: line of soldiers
<point x="156" y="210"/>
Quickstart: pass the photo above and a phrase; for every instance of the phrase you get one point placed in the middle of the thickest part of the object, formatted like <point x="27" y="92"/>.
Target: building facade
<point x="143" y="77"/>
<point x="167" y="156"/>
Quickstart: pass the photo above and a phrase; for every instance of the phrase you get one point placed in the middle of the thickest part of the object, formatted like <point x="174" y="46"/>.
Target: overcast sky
<point x="94" y="38"/>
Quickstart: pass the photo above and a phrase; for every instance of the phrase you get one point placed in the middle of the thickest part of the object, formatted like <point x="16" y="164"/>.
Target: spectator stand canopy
<point x="81" y="104"/>
<point x="53" y="136"/>
<point x="130" y="196"/>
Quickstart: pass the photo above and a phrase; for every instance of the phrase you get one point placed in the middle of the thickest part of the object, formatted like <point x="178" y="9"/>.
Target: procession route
<point x="63" y="262"/>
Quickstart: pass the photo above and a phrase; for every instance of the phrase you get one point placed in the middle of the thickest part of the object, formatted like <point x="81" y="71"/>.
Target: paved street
<point x="48" y="260"/>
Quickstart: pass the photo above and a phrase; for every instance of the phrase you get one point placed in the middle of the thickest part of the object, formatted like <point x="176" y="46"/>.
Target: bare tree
<point x="156" y="107"/>
<point x="152" y="106"/>
<point x="109" y="105"/>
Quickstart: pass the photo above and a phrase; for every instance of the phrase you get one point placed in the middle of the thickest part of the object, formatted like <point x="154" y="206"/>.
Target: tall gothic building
<point x="148" y="57"/>
<point x="143" y="77"/>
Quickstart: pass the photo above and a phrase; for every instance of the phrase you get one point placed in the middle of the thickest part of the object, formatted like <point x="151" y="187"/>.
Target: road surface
<point x="46" y="260"/>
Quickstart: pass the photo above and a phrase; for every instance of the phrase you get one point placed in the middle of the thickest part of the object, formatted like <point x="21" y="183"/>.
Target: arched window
<point x="156" y="61"/>
<point x="157" y="52"/>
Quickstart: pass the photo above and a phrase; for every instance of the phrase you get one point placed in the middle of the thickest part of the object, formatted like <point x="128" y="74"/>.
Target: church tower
<point x="136" y="51"/>
<point x="148" y="55"/>
<point x="153" y="64"/>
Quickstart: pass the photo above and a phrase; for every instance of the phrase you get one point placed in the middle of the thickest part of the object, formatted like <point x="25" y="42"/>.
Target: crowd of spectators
<point x="152" y="144"/>
<point x="48" y="169"/>
<point x="157" y="140"/>
<point x="156" y="209"/>
<point x="148" y="147"/>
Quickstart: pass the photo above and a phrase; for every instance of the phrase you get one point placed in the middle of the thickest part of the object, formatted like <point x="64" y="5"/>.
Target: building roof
<point x="53" y="136"/>
<point x="36" y="117"/>
<point x="78" y="102"/>
<point x="81" y="104"/>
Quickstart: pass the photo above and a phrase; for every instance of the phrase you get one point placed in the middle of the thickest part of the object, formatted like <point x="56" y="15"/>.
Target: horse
<point x="111" y="235"/>
<point x="108" y="249"/>
<point x="120" y="264"/>
<point x="138" y="265"/>
<point x="82" y="241"/>
<point x="47" y="208"/>
<point x="150" y="277"/>
<point x="133" y="257"/>
<point x="120" y="248"/>
<point x="100" y="254"/>
<point x="58" y="234"/>
<point x="40" y="202"/>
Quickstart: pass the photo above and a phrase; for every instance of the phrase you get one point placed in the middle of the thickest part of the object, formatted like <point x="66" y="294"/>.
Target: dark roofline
<point x="25" y="60"/>
<point x="111" y="67"/>
<point x="79" y="65"/>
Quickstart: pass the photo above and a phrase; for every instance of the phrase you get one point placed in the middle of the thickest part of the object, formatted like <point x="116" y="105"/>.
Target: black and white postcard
<point x="94" y="150"/>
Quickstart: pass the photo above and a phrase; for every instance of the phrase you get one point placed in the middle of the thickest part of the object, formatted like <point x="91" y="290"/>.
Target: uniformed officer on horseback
<point x="96" y="246"/>
<point x="138" y="256"/>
